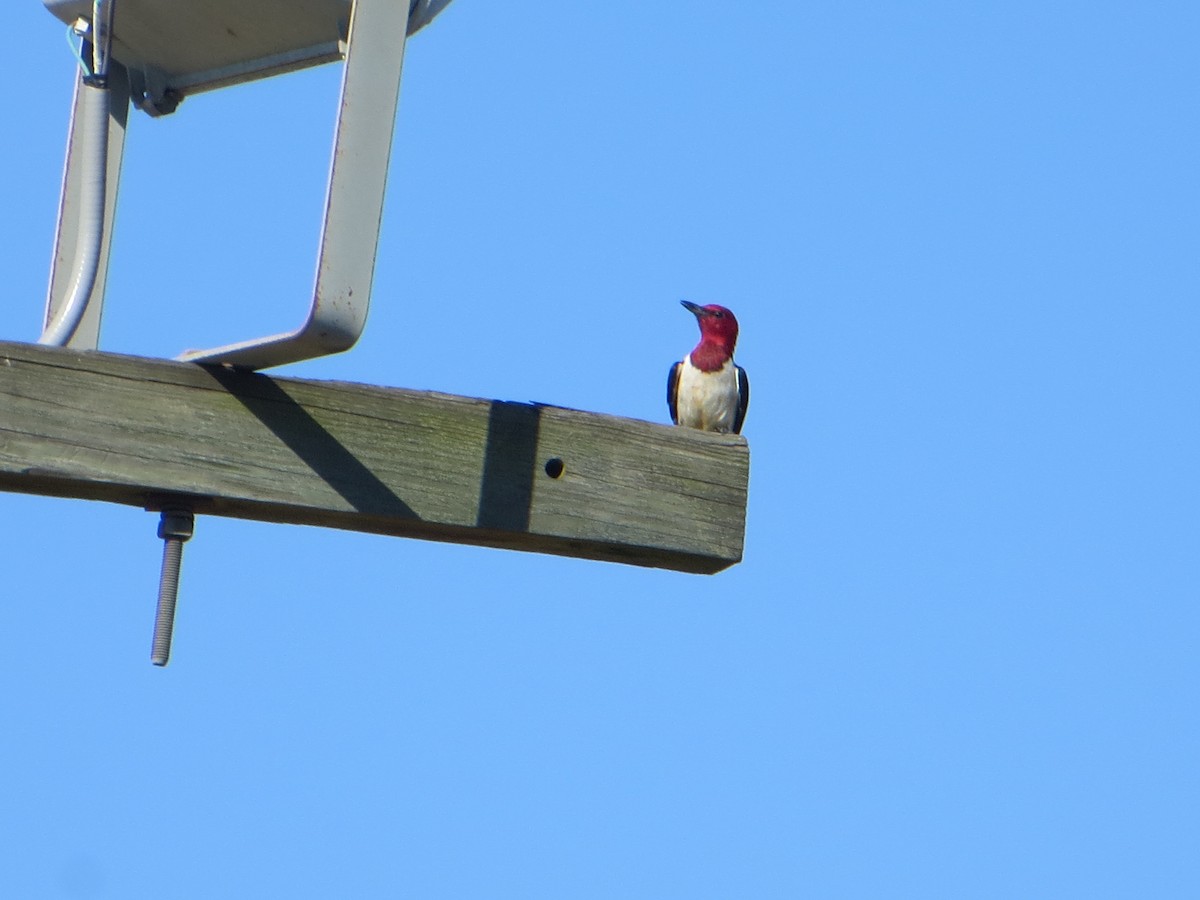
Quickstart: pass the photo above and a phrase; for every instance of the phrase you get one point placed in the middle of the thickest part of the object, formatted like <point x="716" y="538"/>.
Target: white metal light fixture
<point x="164" y="50"/>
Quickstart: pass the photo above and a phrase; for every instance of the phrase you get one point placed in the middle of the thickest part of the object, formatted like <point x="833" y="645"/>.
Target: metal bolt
<point x="174" y="528"/>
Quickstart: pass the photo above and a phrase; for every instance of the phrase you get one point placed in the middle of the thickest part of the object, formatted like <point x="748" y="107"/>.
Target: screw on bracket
<point x="174" y="528"/>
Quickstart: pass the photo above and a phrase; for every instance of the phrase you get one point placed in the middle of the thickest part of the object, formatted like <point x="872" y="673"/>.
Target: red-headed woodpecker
<point x="706" y="390"/>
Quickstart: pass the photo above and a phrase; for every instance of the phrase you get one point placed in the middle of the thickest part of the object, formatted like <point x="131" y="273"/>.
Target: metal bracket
<point x="161" y="55"/>
<point x="87" y="335"/>
<point x="354" y="197"/>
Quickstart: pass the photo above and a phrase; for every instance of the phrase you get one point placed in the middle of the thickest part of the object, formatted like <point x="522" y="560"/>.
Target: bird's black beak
<point x="694" y="308"/>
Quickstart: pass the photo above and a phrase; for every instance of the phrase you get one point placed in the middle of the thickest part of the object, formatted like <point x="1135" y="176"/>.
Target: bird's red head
<point x="718" y="327"/>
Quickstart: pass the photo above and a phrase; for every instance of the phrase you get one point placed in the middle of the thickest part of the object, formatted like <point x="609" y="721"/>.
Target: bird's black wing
<point x="743" y="382"/>
<point x="673" y="391"/>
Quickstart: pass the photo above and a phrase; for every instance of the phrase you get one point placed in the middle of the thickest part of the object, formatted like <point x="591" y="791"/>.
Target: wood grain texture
<point x="152" y="432"/>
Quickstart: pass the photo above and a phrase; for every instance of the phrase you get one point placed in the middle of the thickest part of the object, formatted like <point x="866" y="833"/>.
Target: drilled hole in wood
<point x="554" y="467"/>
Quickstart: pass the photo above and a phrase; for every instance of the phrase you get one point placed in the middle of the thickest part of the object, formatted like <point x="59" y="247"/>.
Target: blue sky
<point x="959" y="657"/>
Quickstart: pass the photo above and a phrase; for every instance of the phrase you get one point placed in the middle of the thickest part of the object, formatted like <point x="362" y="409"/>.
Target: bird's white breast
<point x="707" y="400"/>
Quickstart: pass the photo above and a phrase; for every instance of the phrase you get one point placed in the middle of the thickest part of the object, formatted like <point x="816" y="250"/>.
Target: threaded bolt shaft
<point x="174" y="528"/>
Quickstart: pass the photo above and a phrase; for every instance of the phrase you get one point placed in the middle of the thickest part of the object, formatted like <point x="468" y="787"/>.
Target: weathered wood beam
<point x="153" y="432"/>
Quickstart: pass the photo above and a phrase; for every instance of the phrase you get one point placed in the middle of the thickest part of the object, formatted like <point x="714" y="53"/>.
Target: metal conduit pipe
<point x="93" y="133"/>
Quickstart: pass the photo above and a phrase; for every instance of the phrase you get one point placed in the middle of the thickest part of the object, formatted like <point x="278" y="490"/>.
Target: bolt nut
<point x="176" y="523"/>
